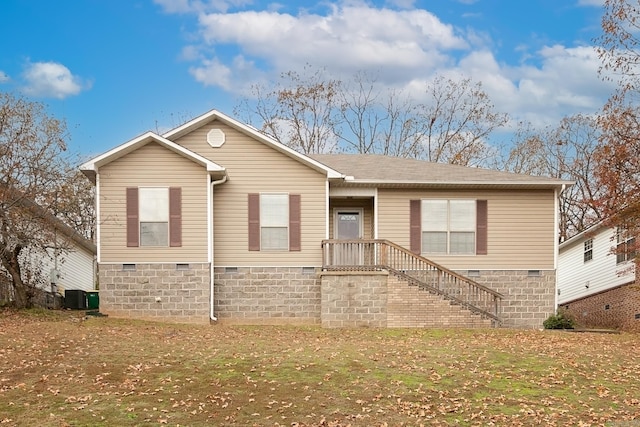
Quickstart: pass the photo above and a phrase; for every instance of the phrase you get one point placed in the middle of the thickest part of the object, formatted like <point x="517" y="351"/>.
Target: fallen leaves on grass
<point x="55" y="371"/>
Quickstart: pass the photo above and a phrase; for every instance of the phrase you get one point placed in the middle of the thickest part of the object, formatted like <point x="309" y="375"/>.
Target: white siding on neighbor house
<point x="76" y="267"/>
<point x="578" y="279"/>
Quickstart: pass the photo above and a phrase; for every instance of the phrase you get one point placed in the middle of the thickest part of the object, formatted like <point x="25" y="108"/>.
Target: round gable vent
<point x="215" y="138"/>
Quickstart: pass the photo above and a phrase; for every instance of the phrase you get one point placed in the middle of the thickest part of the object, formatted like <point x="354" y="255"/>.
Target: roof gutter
<point x="349" y="181"/>
<point x="211" y="299"/>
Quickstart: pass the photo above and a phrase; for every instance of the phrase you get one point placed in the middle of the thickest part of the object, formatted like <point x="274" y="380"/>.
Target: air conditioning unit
<point x="75" y="299"/>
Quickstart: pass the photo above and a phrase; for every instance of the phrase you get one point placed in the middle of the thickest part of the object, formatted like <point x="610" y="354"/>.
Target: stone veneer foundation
<point x="354" y="299"/>
<point x="166" y="292"/>
<point x="295" y="295"/>
<point x="375" y="299"/>
<point x="529" y="296"/>
<point x="378" y="299"/>
<point x="267" y="295"/>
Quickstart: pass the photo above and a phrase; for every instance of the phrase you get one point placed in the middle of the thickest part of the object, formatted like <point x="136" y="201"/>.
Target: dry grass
<point x="59" y="370"/>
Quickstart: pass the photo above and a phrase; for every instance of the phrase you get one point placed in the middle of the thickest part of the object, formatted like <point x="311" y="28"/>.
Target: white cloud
<point x="213" y="73"/>
<point x="4" y="77"/>
<point x="51" y="79"/>
<point x="403" y="48"/>
<point x="190" y="53"/>
<point x="351" y="38"/>
<point x="567" y="82"/>
<point x="237" y="77"/>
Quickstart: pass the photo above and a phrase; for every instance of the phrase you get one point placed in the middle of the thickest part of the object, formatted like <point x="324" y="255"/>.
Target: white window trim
<point x="448" y="230"/>
<point x="587" y="249"/>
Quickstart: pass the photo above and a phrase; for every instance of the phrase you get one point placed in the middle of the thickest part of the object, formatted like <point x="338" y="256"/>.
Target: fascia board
<point x="459" y="184"/>
<point x="134" y="144"/>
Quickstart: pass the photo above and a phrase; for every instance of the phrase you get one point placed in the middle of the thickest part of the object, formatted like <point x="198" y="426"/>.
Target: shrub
<point x="559" y="320"/>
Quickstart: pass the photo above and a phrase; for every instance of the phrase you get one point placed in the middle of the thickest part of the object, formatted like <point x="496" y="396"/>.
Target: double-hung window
<point x="588" y="250"/>
<point x="448" y="227"/>
<point x="625" y="246"/>
<point x="154" y="216"/>
<point x="274" y="221"/>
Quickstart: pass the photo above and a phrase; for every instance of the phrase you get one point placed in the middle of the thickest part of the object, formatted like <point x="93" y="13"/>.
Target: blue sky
<point x="114" y="69"/>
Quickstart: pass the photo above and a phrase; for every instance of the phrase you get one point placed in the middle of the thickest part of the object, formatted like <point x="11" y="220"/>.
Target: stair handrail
<point x="380" y="257"/>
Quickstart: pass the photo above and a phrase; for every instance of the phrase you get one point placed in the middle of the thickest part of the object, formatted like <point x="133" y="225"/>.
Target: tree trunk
<point x="23" y="294"/>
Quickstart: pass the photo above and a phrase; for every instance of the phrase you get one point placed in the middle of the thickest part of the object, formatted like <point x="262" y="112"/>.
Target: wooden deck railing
<point x="362" y="255"/>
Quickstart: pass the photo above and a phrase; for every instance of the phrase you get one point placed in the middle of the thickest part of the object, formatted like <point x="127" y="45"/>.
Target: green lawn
<point x="59" y="370"/>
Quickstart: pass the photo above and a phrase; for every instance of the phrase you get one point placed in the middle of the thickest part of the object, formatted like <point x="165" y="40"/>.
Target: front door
<point x="348" y="226"/>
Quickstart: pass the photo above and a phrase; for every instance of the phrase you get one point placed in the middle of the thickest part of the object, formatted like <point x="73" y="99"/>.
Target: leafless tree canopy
<point x="314" y="113"/>
<point x="452" y="123"/>
<point x="35" y="188"/>
<point x="564" y="151"/>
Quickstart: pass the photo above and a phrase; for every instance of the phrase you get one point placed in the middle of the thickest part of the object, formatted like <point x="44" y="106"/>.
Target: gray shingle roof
<point x="385" y="170"/>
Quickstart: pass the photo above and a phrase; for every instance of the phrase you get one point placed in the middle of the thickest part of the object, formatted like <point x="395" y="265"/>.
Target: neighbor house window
<point x="625" y="246"/>
<point x="588" y="250"/>
<point x="448" y="226"/>
<point x="274" y="222"/>
<point x="154" y="216"/>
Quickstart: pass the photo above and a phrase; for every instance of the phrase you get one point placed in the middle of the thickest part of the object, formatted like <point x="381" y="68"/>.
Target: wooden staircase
<point x="368" y="255"/>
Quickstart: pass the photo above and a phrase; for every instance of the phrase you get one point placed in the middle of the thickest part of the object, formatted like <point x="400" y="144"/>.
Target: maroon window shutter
<point x="175" y="216"/>
<point x="133" y="227"/>
<point x="415" y="226"/>
<point x="294" y="223"/>
<point x="254" y="222"/>
<point x="481" y="227"/>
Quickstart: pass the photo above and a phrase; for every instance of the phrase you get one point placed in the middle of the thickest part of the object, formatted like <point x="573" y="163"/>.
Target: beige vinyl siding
<point x="521" y="227"/>
<point x="153" y="166"/>
<point x="254" y="167"/>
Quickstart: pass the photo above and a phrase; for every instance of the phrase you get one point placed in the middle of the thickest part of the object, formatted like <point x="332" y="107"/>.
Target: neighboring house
<point x="215" y="220"/>
<point x="596" y="282"/>
<point x="73" y="268"/>
<point x="69" y="263"/>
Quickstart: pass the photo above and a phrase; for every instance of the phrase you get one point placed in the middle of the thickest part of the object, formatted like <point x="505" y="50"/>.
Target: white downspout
<point x="98" y="221"/>
<point x="556" y="242"/>
<point x="211" y="245"/>
<point x="327" y="210"/>
<point x="375" y="214"/>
